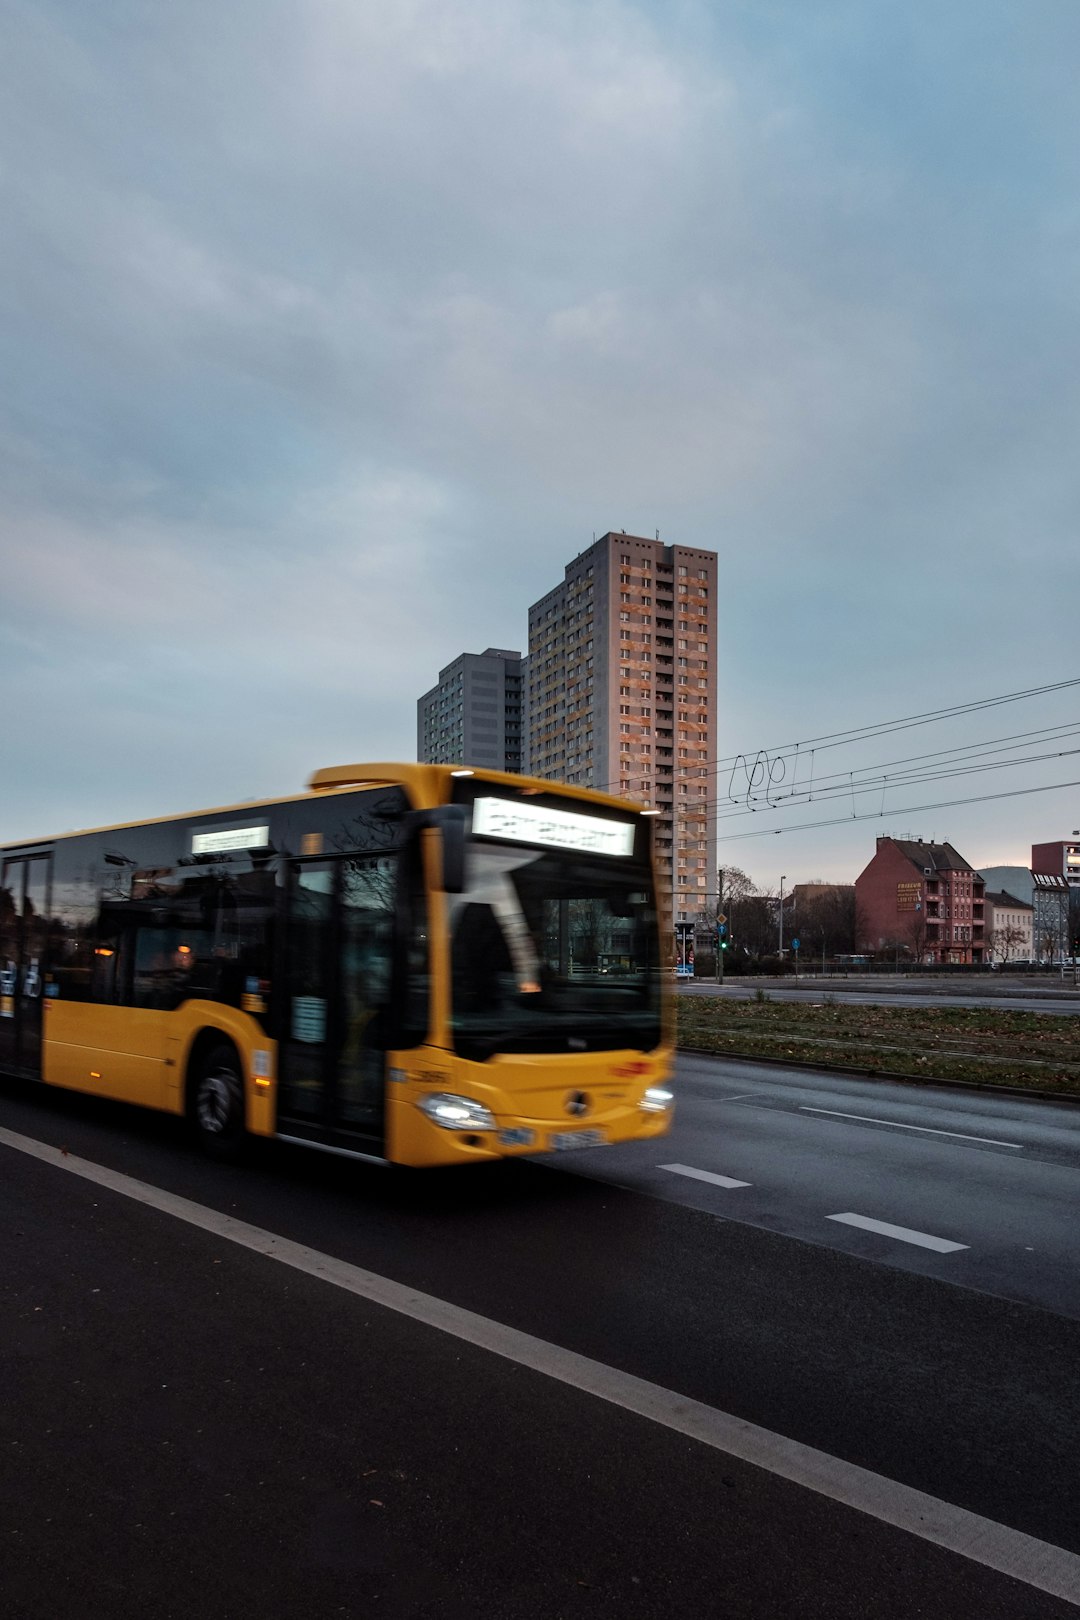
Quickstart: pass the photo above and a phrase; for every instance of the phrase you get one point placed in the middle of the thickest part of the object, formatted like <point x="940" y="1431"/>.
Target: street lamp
<point x="783" y="876"/>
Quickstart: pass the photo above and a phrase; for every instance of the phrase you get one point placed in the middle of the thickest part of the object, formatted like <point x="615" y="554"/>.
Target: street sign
<point x="721" y="917"/>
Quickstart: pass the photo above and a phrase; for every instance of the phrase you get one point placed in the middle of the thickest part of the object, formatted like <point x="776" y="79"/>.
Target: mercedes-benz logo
<point x="577" y="1103"/>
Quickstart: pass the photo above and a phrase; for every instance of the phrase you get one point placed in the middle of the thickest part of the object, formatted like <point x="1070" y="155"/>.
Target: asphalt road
<point x="987" y="1186"/>
<point x="1065" y="1002"/>
<point x="194" y="1427"/>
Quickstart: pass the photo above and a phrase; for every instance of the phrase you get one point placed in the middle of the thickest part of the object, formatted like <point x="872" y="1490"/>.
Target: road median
<point x="975" y="1046"/>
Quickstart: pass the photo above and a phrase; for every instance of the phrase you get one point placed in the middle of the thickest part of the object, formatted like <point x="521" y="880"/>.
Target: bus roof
<point x="427" y="786"/>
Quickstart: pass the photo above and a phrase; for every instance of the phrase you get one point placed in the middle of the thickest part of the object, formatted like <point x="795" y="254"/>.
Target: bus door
<point x="338" y="959"/>
<point x="24" y="903"/>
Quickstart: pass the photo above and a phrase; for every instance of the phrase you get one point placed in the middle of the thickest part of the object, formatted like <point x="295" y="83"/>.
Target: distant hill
<point x="1015" y="880"/>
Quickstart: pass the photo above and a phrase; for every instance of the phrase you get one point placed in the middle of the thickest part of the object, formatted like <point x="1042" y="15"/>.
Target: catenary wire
<point x="837" y="739"/>
<point x="901" y="810"/>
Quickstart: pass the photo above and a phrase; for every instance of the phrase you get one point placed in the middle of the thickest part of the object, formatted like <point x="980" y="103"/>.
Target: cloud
<point x="331" y="330"/>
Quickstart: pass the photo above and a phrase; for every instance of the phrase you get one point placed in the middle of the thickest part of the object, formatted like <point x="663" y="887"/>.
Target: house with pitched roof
<point x="921" y="900"/>
<point x="1009" y="928"/>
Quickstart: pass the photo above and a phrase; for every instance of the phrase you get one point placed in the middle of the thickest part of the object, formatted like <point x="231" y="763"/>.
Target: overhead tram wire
<point x="900" y="810"/>
<point x="884" y="784"/>
<point x="975" y="751"/>
<point x="838" y="739"/>
<point x="857" y="789"/>
<point x="969" y="759"/>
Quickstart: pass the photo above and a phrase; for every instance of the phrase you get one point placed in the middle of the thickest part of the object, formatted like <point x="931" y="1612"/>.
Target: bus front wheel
<point x="217" y="1104"/>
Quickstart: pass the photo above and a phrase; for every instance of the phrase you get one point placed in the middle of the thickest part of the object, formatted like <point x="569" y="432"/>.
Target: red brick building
<point x="1058" y="860"/>
<point x="923" y="900"/>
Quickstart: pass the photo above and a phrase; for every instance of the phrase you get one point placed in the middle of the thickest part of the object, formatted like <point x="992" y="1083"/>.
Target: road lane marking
<point x="924" y="1240"/>
<point x="703" y="1175"/>
<point x="894" y="1124"/>
<point x="995" y="1546"/>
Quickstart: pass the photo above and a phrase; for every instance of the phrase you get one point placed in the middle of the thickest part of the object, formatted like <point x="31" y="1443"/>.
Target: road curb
<point x="1070" y="1097"/>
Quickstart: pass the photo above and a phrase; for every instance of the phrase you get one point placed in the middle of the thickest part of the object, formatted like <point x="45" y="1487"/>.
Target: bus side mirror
<point x="452" y="821"/>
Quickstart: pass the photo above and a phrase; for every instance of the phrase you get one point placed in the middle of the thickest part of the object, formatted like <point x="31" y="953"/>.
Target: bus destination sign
<point x="226" y="838"/>
<point x="522" y="823"/>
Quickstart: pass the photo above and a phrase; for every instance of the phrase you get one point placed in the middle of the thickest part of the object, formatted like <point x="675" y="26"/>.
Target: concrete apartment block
<point x="622" y="693"/>
<point x="474" y="715"/>
<point x="1058" y="860"/>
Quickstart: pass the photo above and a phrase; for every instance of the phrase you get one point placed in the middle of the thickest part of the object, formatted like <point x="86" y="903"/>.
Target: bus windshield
<point x="553" y="950"/>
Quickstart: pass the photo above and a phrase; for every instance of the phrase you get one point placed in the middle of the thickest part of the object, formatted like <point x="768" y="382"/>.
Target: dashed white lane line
<point x="924" y="1240"/>
<point x="703" y="1175"/>
<point x="894" y="1124"/>
<point x="996" y="1546"/>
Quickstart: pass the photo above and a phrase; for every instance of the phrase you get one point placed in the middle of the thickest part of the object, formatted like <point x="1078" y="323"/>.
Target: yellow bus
<point x="406" y="963"/>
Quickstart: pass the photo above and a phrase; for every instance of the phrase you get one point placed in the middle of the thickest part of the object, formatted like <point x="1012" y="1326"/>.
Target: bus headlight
<point x="657" y="1100"/>
<point x="455" y="1113"/>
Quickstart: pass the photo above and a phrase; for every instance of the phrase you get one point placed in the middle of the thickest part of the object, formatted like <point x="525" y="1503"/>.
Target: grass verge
<point x="1038" y="1051"/>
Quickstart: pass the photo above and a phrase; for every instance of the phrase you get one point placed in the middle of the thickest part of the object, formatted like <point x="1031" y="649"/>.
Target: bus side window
<point x="103" y="975"/>
<point x="164" y="961"/>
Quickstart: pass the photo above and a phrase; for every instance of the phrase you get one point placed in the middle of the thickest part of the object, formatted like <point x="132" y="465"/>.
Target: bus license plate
<point x="576" y="1139"/>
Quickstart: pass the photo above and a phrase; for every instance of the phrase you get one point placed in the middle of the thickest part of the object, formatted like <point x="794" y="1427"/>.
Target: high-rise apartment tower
<point x="621" y="693"/>
<point x="474" y="715"/>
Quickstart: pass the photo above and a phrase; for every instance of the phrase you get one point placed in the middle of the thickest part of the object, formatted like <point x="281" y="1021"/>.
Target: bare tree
<point x="826" y="922"/>
<point x="1002" y="941"/>
<point x="918" y="935"/>
<point x="751" y="915"/>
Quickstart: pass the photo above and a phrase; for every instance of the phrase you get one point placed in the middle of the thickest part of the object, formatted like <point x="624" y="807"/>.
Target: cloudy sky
<point x="331" y="329"/>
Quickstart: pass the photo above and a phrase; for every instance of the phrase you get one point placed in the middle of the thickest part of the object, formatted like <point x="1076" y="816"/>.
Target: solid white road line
<point x="703" y="1175"/>
<point x="1010" y="1552"/>
<point x="894" y="1124"/>
<point x="924" y="1240"/>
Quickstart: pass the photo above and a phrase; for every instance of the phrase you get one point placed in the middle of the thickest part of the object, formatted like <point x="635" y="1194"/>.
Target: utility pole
<point x="720" y="923"/>
<point x="780" y="946"/>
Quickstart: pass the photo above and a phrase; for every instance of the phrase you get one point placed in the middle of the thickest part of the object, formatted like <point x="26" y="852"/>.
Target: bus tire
<point x="217" y="1103"/>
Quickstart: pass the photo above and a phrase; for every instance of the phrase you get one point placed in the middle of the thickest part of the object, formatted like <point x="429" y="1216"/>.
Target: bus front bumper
<point x="445" y="1110"/>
